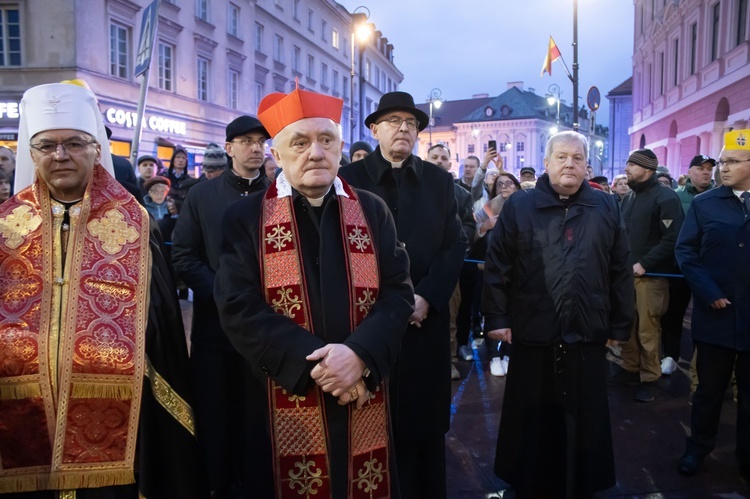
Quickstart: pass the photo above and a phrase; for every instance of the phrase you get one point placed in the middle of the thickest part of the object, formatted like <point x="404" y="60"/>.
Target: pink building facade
<point x="691" y="77"/>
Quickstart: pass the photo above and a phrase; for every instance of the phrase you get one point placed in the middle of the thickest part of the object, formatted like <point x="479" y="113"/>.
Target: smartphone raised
<point x="492" y="144"/>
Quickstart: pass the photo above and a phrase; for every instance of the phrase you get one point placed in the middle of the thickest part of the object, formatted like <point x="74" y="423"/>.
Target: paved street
<point x="648" y="440"/>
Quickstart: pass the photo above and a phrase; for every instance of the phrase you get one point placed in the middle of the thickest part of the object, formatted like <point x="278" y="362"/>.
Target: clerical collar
<point x="396" y="164"/>
<point x="68" y="204"/>
<point x="317" y="202"/>
<point x="249" y="179"/>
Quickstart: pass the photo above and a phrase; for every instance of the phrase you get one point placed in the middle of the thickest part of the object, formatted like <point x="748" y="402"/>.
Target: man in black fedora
<point x="421" y="198"/>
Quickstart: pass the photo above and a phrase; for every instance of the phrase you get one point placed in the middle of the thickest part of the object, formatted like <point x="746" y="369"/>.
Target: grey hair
<point x="566" y="136"/>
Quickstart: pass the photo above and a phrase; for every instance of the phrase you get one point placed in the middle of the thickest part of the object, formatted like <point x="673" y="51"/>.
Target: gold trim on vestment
<point x="169" y="399"/>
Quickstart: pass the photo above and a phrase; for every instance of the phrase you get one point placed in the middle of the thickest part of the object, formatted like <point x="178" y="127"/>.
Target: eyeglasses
<point x="244" y="141"/>
<point x="731" y="162"/>
<point x="507" y="183"/>
<point x="395" y="122"/>
<point x="70" y="146"/>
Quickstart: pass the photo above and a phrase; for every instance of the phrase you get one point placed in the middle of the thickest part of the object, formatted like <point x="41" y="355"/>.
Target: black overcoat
<point x="423" y="204"/>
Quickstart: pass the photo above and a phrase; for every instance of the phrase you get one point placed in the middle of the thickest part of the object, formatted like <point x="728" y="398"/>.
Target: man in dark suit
<point x="421" y="198"/>
<point x="712" y="251"/>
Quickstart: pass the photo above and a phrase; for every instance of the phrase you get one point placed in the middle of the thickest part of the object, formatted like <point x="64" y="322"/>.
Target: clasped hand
<point x="339" y="373"/>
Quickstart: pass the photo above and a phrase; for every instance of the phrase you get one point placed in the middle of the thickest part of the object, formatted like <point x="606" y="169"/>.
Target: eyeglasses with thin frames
<point x="244" y="141"/>
<point x="395" y="122"/>
<point x="731" y="162"/>
<point x="70" y="146"/>
<point x="507" y="183"/>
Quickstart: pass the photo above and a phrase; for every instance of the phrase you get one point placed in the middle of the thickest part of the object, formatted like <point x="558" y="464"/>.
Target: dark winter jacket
<point x="713" y="250"/>
<point x="559" y="270"/>
<point x="196" y="244"/>
<point x="653" y="216"/>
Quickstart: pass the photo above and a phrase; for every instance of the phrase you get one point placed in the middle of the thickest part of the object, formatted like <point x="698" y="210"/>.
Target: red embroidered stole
<point x="300" y="434"/>
<point x="72" y="337"/>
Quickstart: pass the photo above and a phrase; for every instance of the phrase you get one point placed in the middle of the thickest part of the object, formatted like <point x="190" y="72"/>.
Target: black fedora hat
<point x="398" y="101"/>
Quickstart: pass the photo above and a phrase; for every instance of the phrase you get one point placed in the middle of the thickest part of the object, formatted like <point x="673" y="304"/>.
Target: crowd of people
<point x="333" y="298"/>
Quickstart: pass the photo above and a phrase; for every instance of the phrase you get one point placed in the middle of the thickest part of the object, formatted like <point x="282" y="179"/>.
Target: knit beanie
<point x="214" y="157"/>
<point x="359" y="146"/>
<point x="644" y="158"/>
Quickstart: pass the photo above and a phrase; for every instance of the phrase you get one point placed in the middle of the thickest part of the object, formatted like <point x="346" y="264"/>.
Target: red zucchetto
<point x="278" y="110"/>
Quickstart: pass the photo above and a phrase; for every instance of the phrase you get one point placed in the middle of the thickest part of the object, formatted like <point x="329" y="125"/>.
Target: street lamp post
<point x="361" y="32"/>
<point x="555" y="93"/>
<point x="435" y="101"/>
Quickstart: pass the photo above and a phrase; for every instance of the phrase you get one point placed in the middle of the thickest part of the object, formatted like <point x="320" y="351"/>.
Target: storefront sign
<point x="156" y="123"/>
<point x="9" y="110"/>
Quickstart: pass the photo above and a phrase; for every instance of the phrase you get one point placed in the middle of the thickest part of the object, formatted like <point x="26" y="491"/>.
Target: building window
<point x="10" y="37"/>
<point x="259" y="93"/>
<point x="335" y="39"/>
<point x="676" y="59"/>
<point x="715" y="31"/>
<point x="335" y="81"/>
<point x="311" y="67"/>
<point x="345" y="45"/>
<point x="295" y="10"/>
<point x="693" y="46"/>
<point x="503" y="147"/>
<point x="310" y="17"/>
<point x="323" y="30"/>
<point x="296" y="54"/>
<point x="119" y="50"/>
<point x="345" y="87"/>
<point x="323" y="74"/>
<point x="661" y="73"/>
<point x="201" y="9"/>
<point x="471" y="148"/>
<point x="259" y="37"/>
<point x="233" y="89"/>
<point x="519" y="161"/>
<point x="166" y="66"/>
<point x="278" y="48"/>
<point x="741" y="22"/>
<point x="203" y="79"/>
<point x="368" y="70"/>
<point x="233" y="20"/>
<point x="520" y="146"/>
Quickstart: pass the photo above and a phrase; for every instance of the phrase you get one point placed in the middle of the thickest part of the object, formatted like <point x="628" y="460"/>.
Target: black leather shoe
<point x="690" y="464"/>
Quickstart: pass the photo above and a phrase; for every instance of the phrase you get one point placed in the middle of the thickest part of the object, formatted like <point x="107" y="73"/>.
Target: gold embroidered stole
<point x="72" y="337"/>
<point x="300" y="435"/>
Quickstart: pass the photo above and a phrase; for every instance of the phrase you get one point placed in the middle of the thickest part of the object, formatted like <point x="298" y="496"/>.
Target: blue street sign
<point x="146" y="43"/>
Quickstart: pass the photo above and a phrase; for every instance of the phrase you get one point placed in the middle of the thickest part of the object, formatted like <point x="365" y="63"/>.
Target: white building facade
<point x="213" y="60"/>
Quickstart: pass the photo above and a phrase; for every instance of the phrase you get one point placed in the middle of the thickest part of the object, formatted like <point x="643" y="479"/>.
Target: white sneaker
<point x="464" y="352"/>
<point x="505" y="362"/>
<point x="668" y="366"/>
<point x="477" y="343"/>
<point x="496" y="367"/>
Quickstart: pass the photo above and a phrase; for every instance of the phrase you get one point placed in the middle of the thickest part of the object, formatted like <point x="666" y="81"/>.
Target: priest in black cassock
<point x="313" y="290"/>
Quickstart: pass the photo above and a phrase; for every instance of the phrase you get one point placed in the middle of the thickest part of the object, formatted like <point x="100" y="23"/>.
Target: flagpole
<point x="575" y="65"/>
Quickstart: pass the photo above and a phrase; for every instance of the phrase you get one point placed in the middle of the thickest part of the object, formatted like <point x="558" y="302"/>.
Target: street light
<point x="435" y="101"/>
<point x="554" y="90"/>
<point x="361" y="32"/>
<point x="600" y="145"/>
